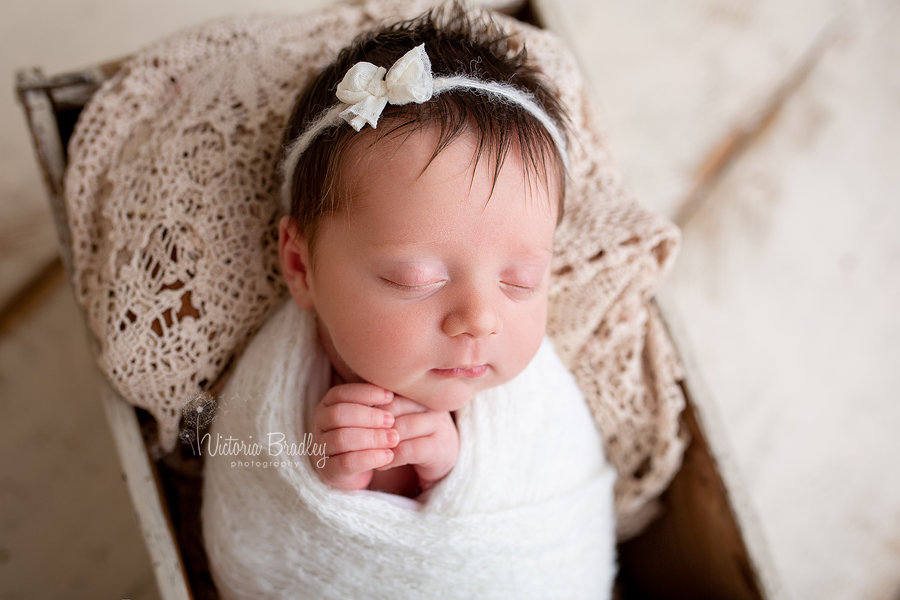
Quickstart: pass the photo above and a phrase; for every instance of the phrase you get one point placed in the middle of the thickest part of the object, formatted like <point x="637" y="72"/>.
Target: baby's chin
<point x="449" y="400"/>
<point x="450" y="394"/>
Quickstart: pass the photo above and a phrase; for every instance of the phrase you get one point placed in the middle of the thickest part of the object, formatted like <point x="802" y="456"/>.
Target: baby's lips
<point x="466" y="372"/>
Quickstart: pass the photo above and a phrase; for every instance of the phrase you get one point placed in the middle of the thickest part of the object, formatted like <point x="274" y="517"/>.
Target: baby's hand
<point x="357" y="435"/>
<point x="429" y="441"/>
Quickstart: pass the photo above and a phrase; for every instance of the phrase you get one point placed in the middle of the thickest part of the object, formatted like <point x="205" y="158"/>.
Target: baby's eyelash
<point x="522" y="289"/>
<point x="409" y="288"/>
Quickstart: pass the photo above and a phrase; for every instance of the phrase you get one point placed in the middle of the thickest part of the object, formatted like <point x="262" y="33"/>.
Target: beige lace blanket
<point x="172" y="195"/>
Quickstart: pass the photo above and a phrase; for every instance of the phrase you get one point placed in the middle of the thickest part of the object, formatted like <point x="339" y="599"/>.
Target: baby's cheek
<point x="383" y="345"/>
<point x="533" y="327"/>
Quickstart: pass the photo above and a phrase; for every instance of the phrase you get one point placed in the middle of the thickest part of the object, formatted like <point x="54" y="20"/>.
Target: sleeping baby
<point x="424" y="177"/>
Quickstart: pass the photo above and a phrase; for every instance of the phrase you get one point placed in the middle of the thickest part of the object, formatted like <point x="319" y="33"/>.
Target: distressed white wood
<point x="622" y="49"/>
<point x="675" y="78"/>
<point x="789" y="288"/>
<point x="788" y="282"/>
<point x="49" y="152"/>
<point x="720" y="447"/>
<point x="27" y="237"/>
<point x="146" y="497"/>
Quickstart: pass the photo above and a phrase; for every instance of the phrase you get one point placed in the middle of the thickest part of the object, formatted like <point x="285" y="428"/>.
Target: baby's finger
<point x="352" y="439"/>
<point x="344" y="466"/>
<point x="418" y="424"/>
<point x="366" y="394"/>
<point x="417" y="451"/>
<point x="348" y="414"/>
<point x="400" y="406"/>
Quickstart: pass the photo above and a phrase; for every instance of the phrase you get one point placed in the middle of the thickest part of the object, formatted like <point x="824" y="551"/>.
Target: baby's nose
<point x="475" y="315"/>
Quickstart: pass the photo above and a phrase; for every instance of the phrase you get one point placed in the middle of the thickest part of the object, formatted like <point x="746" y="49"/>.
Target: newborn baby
<point x="455" y="456"/>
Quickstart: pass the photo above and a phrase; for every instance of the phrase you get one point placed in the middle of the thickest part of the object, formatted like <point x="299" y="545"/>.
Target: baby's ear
<point x="293" y="252"/>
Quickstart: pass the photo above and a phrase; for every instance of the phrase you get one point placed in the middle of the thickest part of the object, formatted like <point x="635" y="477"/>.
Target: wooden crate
<point x="707" y="543"/>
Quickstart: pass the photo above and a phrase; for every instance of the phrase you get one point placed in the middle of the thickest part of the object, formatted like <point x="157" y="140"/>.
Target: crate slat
<point x="146" y="497"/>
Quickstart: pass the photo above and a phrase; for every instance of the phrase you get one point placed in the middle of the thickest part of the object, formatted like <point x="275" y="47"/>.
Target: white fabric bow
<point x="366" y="89"/>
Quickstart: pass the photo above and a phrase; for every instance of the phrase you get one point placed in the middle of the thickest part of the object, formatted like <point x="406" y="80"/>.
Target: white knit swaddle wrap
<point x="527" y="512"/>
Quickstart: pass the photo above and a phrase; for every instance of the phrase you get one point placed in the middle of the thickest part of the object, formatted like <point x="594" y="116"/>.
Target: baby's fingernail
<point x="388" y="395"/>
<point x="388" y="419"/>
<point x="393" y="437"/>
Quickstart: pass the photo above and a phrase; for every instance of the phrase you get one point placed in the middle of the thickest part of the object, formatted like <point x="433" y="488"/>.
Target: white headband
<point x="367" y="89"/>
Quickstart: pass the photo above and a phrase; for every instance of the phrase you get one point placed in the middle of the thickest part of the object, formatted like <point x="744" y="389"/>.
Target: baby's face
<point x="433" y="285"/>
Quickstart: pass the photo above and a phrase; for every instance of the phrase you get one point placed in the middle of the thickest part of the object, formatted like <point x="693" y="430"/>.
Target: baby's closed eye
<point x="518" y="290"/>
<point x="415" y="277"/>
<point x="413" y="287"/>
<point x="523" y="279"/>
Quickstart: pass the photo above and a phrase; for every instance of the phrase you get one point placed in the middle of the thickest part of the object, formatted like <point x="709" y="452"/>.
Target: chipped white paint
<point x="674" y="78"/>
<point x="145" y="495"/>
<point x="789" y="283"/>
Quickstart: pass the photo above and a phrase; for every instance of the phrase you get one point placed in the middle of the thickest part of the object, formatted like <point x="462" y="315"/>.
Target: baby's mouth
<point x="467" y="372"/>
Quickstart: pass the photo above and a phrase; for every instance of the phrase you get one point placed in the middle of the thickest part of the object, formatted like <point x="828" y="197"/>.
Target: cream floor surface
<point x="66" y="525"/>
<point x="788" y="284"/>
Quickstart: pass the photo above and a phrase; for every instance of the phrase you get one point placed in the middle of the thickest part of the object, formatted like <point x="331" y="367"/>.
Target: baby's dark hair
<point x="457" y="44"/>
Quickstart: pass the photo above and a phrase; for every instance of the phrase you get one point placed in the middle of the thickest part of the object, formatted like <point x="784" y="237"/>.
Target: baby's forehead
<point x="408" y="199"/>
<point x="373" y="155"/>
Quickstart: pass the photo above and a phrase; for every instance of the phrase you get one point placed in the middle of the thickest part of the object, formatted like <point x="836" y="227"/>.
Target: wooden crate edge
<point x="710" y="422"/>
<point x="146" y="497"/>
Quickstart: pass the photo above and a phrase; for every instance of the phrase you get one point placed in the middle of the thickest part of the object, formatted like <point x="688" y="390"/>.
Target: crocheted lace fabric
<point x="172" y="195"/>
